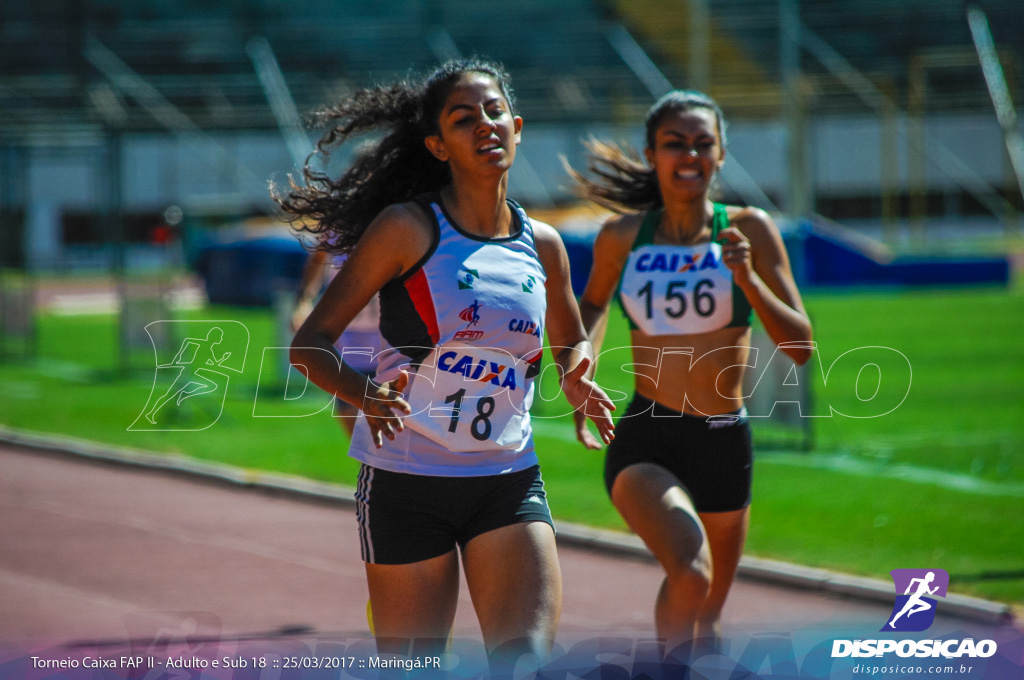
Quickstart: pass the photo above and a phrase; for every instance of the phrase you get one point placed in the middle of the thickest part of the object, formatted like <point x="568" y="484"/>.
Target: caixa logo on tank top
<point x="676" y="262"/>
<point x="526" y="327"/>
<point x="499" y="373"/>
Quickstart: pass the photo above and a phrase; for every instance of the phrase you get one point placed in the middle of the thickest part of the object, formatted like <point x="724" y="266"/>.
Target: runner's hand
<point x="589" y="399"/>
<point x="583" y="434"/>
<point x="380" y="404"/>
<point x="737" y="255"/>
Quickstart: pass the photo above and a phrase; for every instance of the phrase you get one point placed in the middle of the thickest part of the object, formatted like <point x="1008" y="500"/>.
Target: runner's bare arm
<point x="309" y="287"/>
<point x="757" y="257"/>
<point x="611" y="249"/>
<point x="572" y="350"/>
<point x="391" y="245"/>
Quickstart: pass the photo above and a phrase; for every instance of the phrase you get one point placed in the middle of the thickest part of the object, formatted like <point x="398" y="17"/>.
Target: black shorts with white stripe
<point x="407" y="518"/>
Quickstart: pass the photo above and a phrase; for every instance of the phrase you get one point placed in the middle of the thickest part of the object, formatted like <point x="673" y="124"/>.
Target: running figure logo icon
<point x="200" y="371"/>
<point x="914" y="609"/>
<point x="471" y="314"/>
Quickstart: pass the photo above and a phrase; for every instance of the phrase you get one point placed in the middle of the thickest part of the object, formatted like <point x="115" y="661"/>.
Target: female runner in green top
<point x="688" y="273"/>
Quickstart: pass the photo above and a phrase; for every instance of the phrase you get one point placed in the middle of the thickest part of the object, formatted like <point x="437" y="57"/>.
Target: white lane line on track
<point x="23" y="581"/>
<point x="218" y="541"/>
<point x="344" y="568"/>
<point x="848" y="465"/>
<point x="906" y="473"/>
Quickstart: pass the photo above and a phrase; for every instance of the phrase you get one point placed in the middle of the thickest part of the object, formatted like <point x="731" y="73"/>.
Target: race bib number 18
<point x="470" y="399"/>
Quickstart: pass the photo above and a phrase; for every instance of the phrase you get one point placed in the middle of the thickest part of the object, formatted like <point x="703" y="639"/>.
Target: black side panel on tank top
<point x="404" y="325"/>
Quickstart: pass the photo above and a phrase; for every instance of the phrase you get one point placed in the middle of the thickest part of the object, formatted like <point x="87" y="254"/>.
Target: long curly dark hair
<point x="623" y="181"/>
<point x="393" y="170"/>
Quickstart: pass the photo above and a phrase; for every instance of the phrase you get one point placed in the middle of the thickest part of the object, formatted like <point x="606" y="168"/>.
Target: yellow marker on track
<point x="369" y="621"/>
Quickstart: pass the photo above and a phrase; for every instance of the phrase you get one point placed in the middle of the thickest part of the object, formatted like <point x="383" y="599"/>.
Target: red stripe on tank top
<point x="419" y="292"/>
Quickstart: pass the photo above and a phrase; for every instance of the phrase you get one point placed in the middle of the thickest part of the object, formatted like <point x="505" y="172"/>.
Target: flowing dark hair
<point x="392" y="170"/>
<point x="623" y="181"/>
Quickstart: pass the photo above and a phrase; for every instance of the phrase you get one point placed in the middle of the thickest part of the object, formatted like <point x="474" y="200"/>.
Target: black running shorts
<point x="711" y="456"/>
<point x="407" y="518"/>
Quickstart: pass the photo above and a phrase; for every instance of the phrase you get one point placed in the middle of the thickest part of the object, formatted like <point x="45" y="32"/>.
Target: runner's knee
<point x="689" y="567"/>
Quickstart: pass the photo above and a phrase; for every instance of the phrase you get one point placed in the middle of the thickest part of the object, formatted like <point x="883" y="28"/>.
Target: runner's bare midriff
<point x="700" y="374"/>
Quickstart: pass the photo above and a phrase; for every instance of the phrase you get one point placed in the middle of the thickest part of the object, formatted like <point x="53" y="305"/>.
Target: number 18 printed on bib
<point x="471" y="399"/>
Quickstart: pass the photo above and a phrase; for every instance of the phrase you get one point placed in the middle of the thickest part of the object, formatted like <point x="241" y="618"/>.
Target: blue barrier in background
<point x="249" y="272"/>
<point x="832" y="256"/>
<point x="829" y="255"/>
<point x="580" y="248"/>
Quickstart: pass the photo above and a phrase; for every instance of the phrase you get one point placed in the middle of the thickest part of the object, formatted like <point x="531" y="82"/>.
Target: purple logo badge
<point x="915" y="604"/>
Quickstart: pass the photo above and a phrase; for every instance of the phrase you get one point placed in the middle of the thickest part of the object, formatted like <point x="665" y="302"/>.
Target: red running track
<point x="93" y="552"/>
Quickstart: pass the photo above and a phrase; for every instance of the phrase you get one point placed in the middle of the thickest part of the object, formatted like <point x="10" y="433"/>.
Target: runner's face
<point x="687" y="152"/>
<point x="477" y="129"/>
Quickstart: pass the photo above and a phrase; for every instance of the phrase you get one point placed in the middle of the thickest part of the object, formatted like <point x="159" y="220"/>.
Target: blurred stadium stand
<point x="563" y="67"/>
<point x="880" y="38"/>
<point x="115" y="114"/>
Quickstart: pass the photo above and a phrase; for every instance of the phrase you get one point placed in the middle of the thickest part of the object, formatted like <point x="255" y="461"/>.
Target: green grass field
<point x="938" y="482"/>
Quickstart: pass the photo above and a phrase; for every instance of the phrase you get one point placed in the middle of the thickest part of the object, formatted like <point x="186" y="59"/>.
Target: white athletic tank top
<point x="467" y="323"/>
